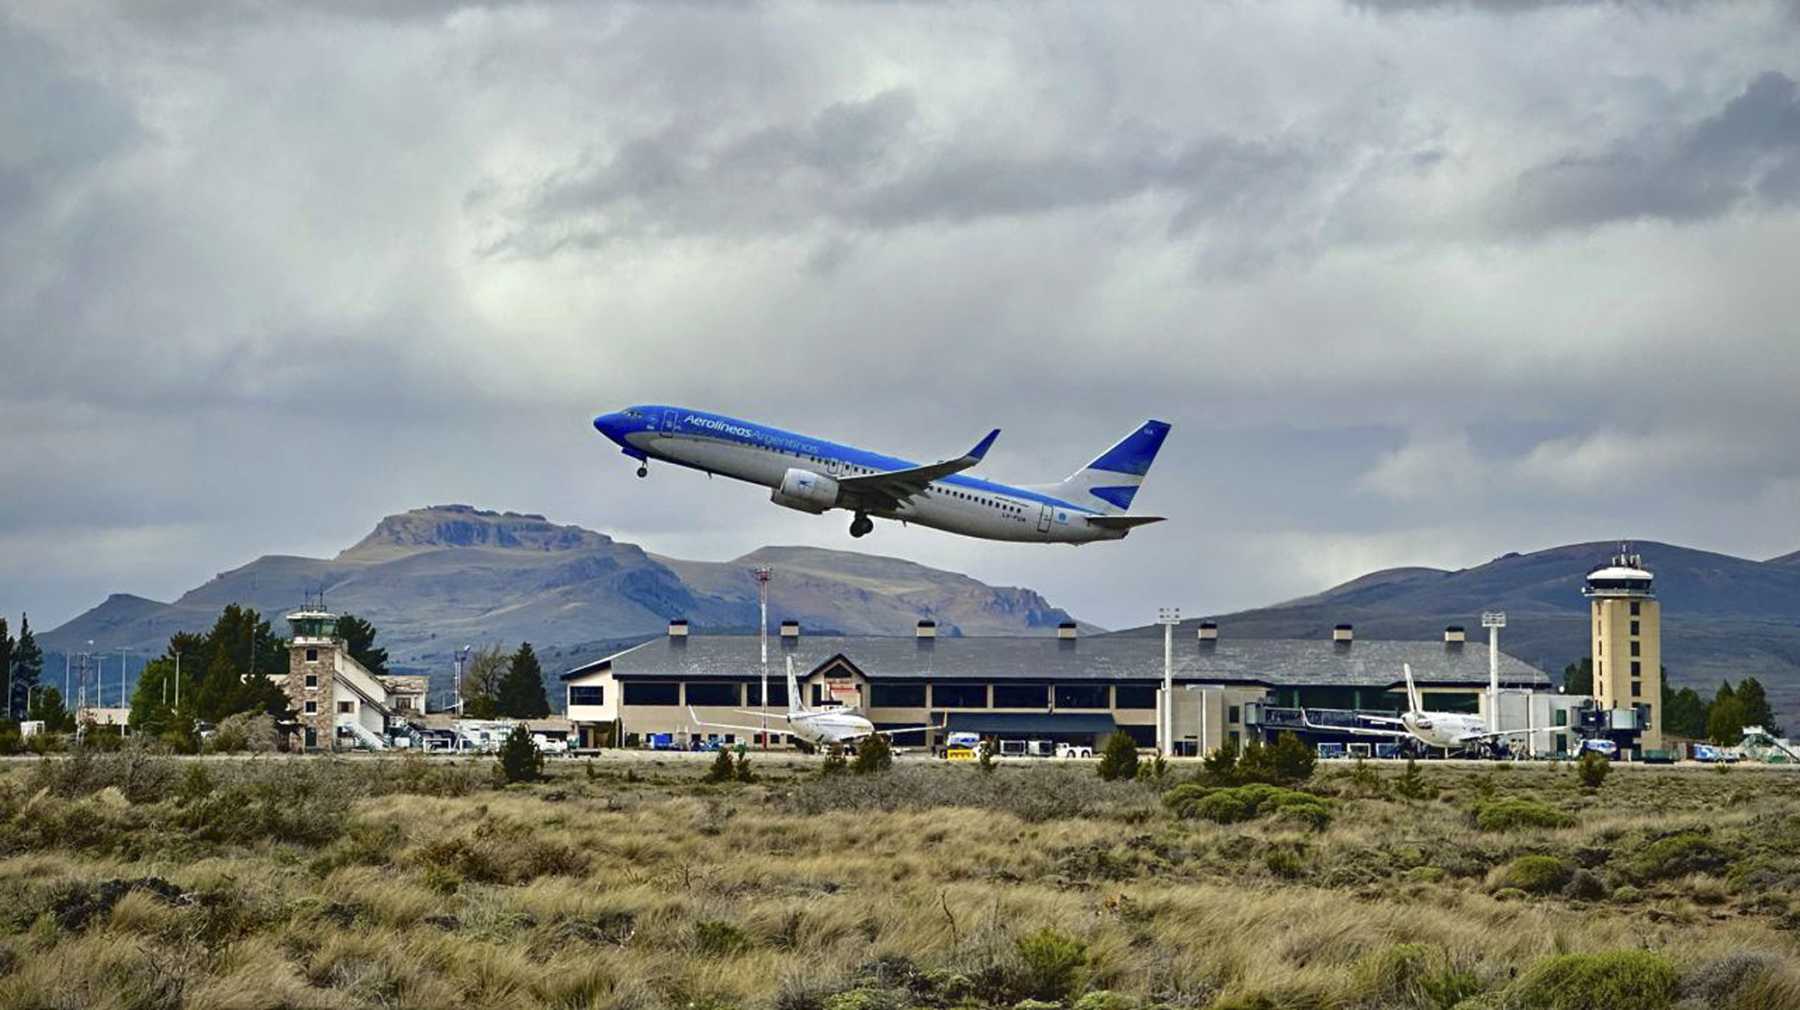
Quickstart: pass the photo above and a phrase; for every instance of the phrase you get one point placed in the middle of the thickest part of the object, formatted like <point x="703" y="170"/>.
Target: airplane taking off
<point x="820" y="727"/>
<point x="814" y="475"/>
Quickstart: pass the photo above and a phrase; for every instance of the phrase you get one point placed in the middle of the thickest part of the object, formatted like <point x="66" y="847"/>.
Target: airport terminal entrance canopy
<point x="1039" y="725"/>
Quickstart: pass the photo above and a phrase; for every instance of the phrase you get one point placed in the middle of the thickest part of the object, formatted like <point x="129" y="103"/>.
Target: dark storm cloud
<point x="868" y="165"/>
<point x="406" y="250"/>
<point x="1745" y="155"/>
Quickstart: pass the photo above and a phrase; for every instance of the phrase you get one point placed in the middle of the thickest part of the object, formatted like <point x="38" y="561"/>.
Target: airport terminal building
<point x="1065" y="688"/>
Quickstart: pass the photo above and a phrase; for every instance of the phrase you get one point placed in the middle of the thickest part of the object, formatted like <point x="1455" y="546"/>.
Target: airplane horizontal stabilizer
<point x="1122" y="522"/>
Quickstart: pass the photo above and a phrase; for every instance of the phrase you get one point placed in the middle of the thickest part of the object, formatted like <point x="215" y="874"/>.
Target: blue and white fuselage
<point x="815" y="475"/>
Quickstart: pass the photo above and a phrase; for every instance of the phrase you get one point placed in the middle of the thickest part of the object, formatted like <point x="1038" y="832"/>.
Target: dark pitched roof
<point x="1276" y="662"/>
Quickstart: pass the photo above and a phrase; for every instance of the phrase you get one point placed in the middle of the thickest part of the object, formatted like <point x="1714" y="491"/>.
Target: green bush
<point x="1535" y="874"/>
<point x="1593" y="769"/>
<point x="719" y="938"/>
<point x="1412" y="785"/>
<point x="1515" y="814"/>
<point x="1411" y="975"/>
<point x="1105" y="999"/>
<point x="744" y="772"/>
<point x="519" y="757"/>
<point x="873" y="755"/>
<point x="1243" y="803"/>
<point x="1119" y="758"/>
<point x="1675" y="856"/>
<point x="1220" y="767"/>
<point x="1615" y="980"/>
<point x="1052" y="965"/>
<point x="723" y="768"/>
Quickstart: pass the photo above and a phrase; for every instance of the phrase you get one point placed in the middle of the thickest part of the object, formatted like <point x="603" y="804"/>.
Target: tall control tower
<point x="1627" y="641"/>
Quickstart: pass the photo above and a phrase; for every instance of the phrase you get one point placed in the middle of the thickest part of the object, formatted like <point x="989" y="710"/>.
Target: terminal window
<point x="1021" y="695"/>
<point x="312" y="655"/>
<point x="1634" y="627"/>
<point x="595" y="695"/>
<point x="1135" y="697"/>
<point x="651" y="694"/>
<point x="1233" y="716"/>
<point x="712" y="694"/>
<point x="1637" y="668"/>
<point x="1637" y="689"/>
<point x="312" y="708"/>
<point x="777" y="694"/>
<point x="897" y="695"/>
<point x="959" y="695"/>
<point x="1635" y="646"/>
<point x="1081" y="696"/>
<point x="346" y="707"/>
<point x="312" y="680"/>
<point x="1634" y="608"/>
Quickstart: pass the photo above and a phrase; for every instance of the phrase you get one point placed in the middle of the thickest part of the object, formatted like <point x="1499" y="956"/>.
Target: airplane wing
<point x="905" y="729"/>
<point x="1360" y="730"/>
<point x="725" y="725"/>
<point x="898" y="485"/>
<point x="1122" y="522"/>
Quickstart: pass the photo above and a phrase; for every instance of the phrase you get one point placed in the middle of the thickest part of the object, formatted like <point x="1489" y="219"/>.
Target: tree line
<point x="22" y="664"/>
<point x="504" y="685"/>
<point x="1688" y="713"/>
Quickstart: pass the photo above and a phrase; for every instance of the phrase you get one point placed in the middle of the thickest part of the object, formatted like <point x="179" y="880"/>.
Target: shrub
<point x="719" y="938"/>
<point x="1593" y="769"/>
<point x="1534" y="874"/>
<point x="1514" y="814"/>
<point x="723" y="768"/>
<point x="1675" y="856"/>
<point x="252" y="732"/>
<point x="1411" y="975"/>
<point x="873" y="755"/>
<point x="834" y="762"/>
<point x="1105" y="999"/>
<point x="519" y="757"/>
<point x="1293" y="760"/>
<point x="1412" y="785"/>
<point x="984" y="755"/>
<point x="744" y="772"/>
<point x="1742" y="981"/>
<point x="1285" y="863"/>
<point x="1585" y="885"/>
<point x="1635" y="979"/>
<point x="496" y="852"/>
<point x="1119" y="758"/>
<point x="1243" y="803"/>
<point x="1052" y="965"/>
<point x="1220" y="768"/>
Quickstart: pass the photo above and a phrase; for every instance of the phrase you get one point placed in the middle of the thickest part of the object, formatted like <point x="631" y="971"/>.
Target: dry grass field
<point x="137" y="881"/>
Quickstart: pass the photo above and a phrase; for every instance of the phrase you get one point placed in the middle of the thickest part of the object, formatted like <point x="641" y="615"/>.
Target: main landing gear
<point x="861" y="525"/>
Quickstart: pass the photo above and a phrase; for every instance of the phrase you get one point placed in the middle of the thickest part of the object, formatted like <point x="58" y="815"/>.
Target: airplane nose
<point x="609" y="425"/>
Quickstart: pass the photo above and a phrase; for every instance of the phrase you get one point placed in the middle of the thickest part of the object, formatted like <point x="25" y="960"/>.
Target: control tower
<point x="1627" y="641"/>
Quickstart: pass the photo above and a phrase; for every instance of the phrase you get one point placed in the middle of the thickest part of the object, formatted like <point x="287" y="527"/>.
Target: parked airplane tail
<point x="1111" y="481"/>
<point x="795" y="705"/>
<point x="1413" y="701"/>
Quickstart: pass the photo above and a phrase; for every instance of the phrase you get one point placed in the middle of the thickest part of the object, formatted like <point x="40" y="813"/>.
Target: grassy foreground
<point x="131" y="880"/>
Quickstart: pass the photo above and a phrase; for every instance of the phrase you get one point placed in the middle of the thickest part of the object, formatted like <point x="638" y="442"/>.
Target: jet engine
<point x="806" y="491"/>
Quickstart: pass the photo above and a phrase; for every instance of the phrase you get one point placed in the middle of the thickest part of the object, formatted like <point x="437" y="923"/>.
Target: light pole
<point x="462" y="656"/>
<point x="1168" y="617"/>
<point x="761" y="574"/>
<point x="1494" y="620"/>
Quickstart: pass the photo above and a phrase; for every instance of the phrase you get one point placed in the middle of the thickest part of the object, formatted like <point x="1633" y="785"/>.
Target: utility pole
<point x="122" y="651"/>
<point x="761" y="574"/>
<point x="1494" y="620"/>
<point x="178" y="680"/>
<point x="462" y="656"/>
<point x="1168" y="617"/>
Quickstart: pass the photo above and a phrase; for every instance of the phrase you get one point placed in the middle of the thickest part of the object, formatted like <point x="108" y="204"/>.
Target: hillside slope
<point x="433" y="579"/>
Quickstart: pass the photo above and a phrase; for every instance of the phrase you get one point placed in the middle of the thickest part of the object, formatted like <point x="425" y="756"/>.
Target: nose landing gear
<point x="861" y="525"/>
<point x="643" y="470"/>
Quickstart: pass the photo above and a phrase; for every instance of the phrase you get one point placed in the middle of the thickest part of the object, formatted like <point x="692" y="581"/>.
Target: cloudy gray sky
<point x="1415" y="282"/>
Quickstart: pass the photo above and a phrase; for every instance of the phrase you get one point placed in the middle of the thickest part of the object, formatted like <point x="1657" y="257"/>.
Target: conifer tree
<point x="359" y="641"/>
<point x="14" y="709"/>
<point x="27" y="665"/>
<point x="522" y="690"/>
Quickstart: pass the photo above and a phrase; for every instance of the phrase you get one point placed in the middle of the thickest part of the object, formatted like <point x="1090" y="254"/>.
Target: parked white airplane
<point x="1447" y="730"/>
<point x="814" y="475"/>
<point x="820" y="727"/>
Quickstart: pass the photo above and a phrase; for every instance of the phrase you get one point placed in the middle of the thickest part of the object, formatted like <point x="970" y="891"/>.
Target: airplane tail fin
<point x="1111" y="481"/>
<point x="795" y="705"/>
<point x="1413" y="702"/>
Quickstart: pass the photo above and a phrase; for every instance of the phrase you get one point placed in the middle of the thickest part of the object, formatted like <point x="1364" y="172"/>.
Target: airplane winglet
<point x="983" y="446"/>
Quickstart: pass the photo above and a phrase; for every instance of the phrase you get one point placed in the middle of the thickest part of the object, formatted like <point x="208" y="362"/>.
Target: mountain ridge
<point x="437" y="577"/>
